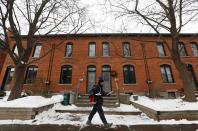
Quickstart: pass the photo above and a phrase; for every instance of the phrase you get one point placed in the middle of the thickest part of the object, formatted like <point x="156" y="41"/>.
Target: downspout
<point x="48" y="80"/>
<point x="148" y="81"/>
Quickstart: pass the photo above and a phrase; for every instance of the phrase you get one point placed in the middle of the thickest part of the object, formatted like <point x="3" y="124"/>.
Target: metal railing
<point x="117" y="91"/>
<point x="78" y="89"/>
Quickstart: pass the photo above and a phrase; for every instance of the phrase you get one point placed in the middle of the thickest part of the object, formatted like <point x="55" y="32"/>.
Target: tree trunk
<point x="186" y="79"/>
<point x="17" y="84"/>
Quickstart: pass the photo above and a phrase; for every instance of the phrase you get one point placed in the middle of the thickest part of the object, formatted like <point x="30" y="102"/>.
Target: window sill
<point x="184" y="56"/>
<point x="91" y="57"/>
<point x="35" y="57"/>
<point x="65" y="84"/>
<point x="106" y="56"/>
<point x="127" y="56"/>
<point x="67" y="57"/>
<point x="170" y="83"/>
<point x="163" y="56"/>
<point x="130" y="84"/>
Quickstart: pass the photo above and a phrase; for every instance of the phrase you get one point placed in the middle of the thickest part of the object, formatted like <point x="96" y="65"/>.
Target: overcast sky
<point x="106" y="22"/>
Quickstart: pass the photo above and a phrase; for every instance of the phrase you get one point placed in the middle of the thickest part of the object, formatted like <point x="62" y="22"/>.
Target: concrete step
<point x="105" y="98"/>
<point x="112" y="95"/>
<point x="112" y="105"/>
<point x="105" y="101"/>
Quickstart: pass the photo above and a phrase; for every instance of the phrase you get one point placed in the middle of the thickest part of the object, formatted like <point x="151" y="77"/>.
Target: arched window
<point x="166" y="73"/>
<point x="91" y="76"/>
<point x="69" y="49"/>
<point x="8" y="77"/>
<point x="31" y="74"/>
<point x="37" y="51"/>
<point x="194" y="48"/>
<point x="105" y="49"/>
<point x="66" y="74"/>
<point x="182" y="49"/>
<point x="15" y="50"/>
<point x="106" y="74"/>
<point x="129" y="74"/>
<point x="194" y="79"/>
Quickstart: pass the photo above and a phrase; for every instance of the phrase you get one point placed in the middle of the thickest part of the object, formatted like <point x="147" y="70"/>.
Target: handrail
<point x="117" y="91"/>
<point x="78" y="89"/>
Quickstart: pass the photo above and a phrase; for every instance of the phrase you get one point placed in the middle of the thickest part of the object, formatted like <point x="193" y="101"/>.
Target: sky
<point x="106" y="23"/>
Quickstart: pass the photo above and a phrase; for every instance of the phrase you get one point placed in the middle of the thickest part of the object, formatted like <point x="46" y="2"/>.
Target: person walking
<point x="96" y="98"/>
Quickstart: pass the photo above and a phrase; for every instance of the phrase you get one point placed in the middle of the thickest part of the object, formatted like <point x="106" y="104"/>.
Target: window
<point x="194" y="48"/>
<point x="126" y="49"/>
<point x="129" y="74"/>
<point x="15" y="50"/>
<point x="105" y="49"/>
<point x="31" y="74"/>
<point x="172" y="95"/>
<point x="91" y="76"/>
<point x="37" y="51"/>
<point x="182" y="49"/>
<point x="68" y="50"/>
<point x="92" y="49"/>
<point x="161" y="50"/>
<point x="166" y="73"/>
<point x="66" y="74"/>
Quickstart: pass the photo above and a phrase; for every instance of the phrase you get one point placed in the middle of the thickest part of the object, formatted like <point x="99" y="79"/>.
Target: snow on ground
<point x="166" y="104"/>
<point x="51" y="117"/>
<point x="30" y="101"/>
<point x="122" y="108"/>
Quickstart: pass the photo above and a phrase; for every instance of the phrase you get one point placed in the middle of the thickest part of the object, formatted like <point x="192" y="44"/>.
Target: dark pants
<point x="97" y="108"/>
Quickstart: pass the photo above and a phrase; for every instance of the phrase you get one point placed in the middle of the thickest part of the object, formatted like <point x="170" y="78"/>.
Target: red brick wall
<point x="80" y="61"/>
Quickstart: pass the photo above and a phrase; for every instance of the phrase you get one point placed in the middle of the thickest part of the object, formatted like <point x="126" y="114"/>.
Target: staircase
<point x="110" y="101"/>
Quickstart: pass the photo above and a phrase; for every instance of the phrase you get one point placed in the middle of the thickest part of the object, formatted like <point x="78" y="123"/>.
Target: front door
<point x="194" y="81"/>
<point x="7" y="78"/>
<point x="106" y="74"/>
<point x="91" y="77"/>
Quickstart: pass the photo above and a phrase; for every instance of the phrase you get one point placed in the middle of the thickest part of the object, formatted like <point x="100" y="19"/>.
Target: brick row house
<point x="140" y="63"/>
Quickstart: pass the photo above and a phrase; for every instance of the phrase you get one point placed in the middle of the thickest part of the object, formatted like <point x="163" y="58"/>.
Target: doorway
<point x="91" y="77"/>
<point x="106" y="74"/>
<point x="191" y="70"/>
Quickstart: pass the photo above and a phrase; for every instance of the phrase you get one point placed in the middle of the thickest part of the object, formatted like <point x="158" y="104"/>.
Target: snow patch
<point x="166" y="104"/>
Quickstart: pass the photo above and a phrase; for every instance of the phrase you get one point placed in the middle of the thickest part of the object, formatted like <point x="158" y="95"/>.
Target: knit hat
<point x="100" y="79"/>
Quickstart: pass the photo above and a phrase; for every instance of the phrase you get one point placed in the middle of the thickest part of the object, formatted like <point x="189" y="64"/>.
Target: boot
<point x="88" y="122"/>
<point x="108" y="125"/>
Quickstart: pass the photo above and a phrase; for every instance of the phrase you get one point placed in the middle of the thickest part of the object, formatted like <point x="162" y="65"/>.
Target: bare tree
<point x="163" y="16"/>
<point x="30" y="18"/>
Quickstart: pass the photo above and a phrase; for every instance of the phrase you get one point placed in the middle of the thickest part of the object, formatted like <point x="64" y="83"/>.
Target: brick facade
<point x="145" y="60"/>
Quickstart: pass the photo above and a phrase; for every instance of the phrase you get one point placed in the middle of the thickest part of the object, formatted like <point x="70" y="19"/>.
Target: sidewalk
<point x="182" y="127"/>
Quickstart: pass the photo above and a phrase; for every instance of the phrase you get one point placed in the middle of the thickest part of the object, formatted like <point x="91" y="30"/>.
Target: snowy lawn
<point x="30" y="101"/>
<point x="166" y="104"/>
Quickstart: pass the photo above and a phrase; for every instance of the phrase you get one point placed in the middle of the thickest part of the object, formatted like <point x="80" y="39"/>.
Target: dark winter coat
<point x="97" y="98"/>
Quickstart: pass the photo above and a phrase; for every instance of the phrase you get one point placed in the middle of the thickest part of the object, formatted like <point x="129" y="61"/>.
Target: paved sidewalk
<point x="182" y="127"/>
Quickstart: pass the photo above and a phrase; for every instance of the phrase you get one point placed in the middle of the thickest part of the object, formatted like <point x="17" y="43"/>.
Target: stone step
<point x="112" y="105"/>
<point x="105" y="101"/>
<point x="112" y="95"/>
<point x="105" y="98"/>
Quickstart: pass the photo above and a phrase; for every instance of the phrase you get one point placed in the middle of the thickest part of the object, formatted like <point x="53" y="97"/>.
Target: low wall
<point x="21" y="113"/>
<point x="165" y="115"/>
